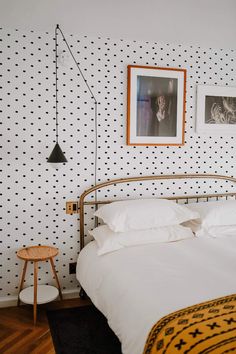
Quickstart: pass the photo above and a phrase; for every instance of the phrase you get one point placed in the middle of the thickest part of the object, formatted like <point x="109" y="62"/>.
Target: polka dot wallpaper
<point x="33" y="194"/>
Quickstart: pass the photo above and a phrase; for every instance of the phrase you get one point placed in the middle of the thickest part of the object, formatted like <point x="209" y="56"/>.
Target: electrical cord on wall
<point x="95" y="102"/>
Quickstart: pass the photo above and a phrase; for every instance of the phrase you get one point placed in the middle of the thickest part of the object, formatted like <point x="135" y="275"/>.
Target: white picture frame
<point x="216" y="110"/>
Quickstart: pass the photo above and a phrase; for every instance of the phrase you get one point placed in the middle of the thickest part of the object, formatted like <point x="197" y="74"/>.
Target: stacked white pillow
<point x="135" y="222"/>
<point x="217" y="218"/>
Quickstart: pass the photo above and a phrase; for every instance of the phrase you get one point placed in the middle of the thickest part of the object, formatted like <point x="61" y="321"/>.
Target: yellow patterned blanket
<point x="205" y="328"/>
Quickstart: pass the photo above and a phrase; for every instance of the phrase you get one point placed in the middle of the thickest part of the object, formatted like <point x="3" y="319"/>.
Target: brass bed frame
<point x="83" y="203"/>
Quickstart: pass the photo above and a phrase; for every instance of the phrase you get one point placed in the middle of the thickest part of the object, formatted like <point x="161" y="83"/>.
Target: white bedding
<point x="136" y="286"/>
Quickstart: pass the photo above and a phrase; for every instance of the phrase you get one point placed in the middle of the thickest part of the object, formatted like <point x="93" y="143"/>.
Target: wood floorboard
<point x="18" y="335"/>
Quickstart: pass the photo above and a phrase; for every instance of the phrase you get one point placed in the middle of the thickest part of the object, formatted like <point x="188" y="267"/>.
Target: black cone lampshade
<point x="57" y="155"/>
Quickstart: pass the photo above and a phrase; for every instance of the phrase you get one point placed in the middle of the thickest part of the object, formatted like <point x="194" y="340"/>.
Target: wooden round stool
<point x="38" y="294"/>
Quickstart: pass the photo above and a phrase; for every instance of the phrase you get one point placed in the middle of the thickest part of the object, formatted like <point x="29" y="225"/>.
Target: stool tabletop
<point x="37" y="253"/>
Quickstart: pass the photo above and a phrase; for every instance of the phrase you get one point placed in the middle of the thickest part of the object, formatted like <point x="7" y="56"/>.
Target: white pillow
<point x="142" y="214"/>
<point x="217" y="231"/>
<point x="217" y="213"/>
<point x="109" y="241"/>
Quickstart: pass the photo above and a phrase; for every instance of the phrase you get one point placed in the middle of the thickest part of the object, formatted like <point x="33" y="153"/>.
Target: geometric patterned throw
<point x="206" y="328"/>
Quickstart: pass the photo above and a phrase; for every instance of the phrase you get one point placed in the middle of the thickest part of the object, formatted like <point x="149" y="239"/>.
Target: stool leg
<point x="56" y="278"/>
<point x="22" y="281"/>
<point x="35" y="290"/>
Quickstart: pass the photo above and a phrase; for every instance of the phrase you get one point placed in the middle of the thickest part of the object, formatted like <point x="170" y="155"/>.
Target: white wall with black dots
<point x="33" y="194"/>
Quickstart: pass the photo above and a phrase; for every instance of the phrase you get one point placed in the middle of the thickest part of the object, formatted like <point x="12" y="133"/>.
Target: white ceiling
<point x="209" y="23"/>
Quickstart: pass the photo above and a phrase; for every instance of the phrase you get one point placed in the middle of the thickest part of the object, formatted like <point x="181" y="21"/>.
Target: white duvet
<point x="136" y="286"/>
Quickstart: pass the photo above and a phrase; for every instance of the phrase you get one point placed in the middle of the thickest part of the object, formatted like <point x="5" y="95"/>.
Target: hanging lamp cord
<point x="92" y="95"/>
<point x="56" y="33"/>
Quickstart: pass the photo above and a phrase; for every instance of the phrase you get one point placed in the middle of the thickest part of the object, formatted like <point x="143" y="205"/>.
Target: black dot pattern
<point x="33" y="195"/>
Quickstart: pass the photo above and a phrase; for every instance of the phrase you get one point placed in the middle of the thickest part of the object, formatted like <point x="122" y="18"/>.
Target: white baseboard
<point x="71" y="294"/>
<point x="9" y="301"/>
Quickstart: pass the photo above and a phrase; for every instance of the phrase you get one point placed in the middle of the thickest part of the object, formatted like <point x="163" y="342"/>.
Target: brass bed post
<point x="81" y="208"/>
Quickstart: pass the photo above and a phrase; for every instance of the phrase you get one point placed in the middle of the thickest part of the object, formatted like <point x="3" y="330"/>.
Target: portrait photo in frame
<point x="156" y="106"/>
<point x="216" y="110"/>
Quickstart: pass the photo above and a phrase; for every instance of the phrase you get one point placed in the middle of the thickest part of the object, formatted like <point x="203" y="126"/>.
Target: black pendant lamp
<point x="57" y="155"/>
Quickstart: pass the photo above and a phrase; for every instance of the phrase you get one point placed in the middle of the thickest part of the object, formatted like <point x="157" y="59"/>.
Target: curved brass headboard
<point x="82" y="202"/>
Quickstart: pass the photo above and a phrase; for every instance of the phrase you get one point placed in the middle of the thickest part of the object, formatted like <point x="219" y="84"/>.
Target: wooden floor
<point x="18" y="335"/>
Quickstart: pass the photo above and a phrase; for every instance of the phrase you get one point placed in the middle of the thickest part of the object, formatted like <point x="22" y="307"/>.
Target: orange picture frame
<point x="156" y="99"/>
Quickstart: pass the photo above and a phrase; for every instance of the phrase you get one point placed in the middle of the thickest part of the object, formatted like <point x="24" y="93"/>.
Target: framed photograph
<point x="216" y="110"/>
<point x="156" y="105"/>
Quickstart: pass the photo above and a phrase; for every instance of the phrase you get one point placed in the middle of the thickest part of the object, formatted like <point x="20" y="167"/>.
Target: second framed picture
<point x="156" y="105"/>
<point x="216" y="110"/>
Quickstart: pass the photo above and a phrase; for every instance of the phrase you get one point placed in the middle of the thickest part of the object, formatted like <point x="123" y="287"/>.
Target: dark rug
<point x="82" y="330"/>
